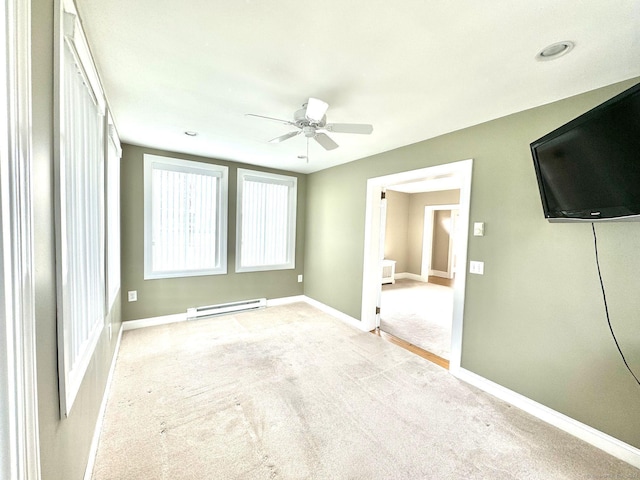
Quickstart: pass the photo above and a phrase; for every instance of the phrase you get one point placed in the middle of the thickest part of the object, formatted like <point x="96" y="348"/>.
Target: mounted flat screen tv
<point x="589" y="169"/>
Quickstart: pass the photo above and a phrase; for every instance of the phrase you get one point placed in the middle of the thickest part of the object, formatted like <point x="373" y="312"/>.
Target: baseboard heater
<point x="210" y="310"/>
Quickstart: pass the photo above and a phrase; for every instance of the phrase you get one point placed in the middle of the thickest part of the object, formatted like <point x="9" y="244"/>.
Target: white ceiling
<point x="414" y="69"/>
<point x="434" y="184"/>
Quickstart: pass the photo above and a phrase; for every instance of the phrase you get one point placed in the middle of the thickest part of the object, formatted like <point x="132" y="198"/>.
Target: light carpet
<point x="420" y="313"/>
<point x="291" y="393"/>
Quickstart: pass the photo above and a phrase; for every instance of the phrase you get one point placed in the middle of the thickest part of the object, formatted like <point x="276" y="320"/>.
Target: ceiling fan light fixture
<point x="555" y="50"/>
<point x="311" y="122"/>
<point x="309" y="131"/>
<point x="316" y="109"/>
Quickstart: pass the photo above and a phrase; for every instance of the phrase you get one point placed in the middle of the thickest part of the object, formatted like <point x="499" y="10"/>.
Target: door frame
<point x="427" y="242"/>
<point x="372" y="264"/>
<point x="383" y="236"/>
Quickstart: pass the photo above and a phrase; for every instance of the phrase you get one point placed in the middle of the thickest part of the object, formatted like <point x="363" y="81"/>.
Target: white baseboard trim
<point x="182" y="317"/>
<point x="598" y="439"/>
<point x="154" y="321"/>
<point x="439" y="273"/>
<point x="349" y="320"/>
<point x="410" y="276"/>
<point x="274" y="302"/>
<point x="93" y="450"/>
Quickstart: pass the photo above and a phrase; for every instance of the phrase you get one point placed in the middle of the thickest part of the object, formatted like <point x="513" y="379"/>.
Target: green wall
<point x="64" y="443"/>
<point x="534" y="322"/>
<point x="159" y="297"/>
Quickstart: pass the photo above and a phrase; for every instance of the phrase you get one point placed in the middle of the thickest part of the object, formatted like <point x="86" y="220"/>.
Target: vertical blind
<point x="81" y="244"/>
<point x="265" y="217"/>
<point x="185" y="218"/>
<point x="266" y="221"/>
<point x="184" y="227"/>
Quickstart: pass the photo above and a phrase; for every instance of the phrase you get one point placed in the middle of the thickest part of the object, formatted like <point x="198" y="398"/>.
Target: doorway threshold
<point x="432" y="357"/>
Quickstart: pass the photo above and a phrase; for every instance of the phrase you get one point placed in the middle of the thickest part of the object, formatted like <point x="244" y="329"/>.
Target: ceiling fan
<point x="311" y="120"/>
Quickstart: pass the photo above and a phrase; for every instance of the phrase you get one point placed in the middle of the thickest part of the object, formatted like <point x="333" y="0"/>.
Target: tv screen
<point x="589" y="169"/>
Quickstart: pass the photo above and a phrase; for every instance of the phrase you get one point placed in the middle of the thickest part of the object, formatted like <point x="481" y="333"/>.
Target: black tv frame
<point x="594" y="214"/>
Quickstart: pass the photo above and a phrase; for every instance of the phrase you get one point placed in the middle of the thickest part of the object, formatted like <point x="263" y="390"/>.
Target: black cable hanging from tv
<point x="606" y="308"/>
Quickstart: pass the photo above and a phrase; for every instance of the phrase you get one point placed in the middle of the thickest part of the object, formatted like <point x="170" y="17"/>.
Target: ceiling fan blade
<point x="362" y="128"/>
<point x="326" y="142"/>
<point x="316" y="109"/>
<point x="286" y="122"/>
<point x="284" y="137"/>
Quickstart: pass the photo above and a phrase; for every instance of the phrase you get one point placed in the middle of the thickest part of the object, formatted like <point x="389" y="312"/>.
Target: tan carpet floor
<point x="420" y="313"/>
<point x="291" y="393"/>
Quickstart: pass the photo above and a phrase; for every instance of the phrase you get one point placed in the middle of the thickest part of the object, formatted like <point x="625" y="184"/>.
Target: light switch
<point x="476" y="267"/>
<point x="299" y="278"/>
<point x="478" y="229"/>
<point x="133" y="295"/>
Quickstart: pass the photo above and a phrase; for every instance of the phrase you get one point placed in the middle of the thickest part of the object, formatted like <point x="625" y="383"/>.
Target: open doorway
<point x="416" y="305"/>
<point x="458" y="176"/>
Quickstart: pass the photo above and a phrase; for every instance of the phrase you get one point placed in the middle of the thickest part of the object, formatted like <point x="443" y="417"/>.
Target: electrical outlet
<point x="476" y="267"/>
<point x="133" y="295"/>
<point x="299" y="278"/>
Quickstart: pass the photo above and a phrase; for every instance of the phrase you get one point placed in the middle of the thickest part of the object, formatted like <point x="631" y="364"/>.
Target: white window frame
<point x="19" y="442"/>
<point x="218" y="171"/>
<point x="81" y="304"/>
<point x="112" y="198"/>
<point x="269" y="178"/>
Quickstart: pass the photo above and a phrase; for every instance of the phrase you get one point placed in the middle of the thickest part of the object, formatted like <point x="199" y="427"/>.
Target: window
<point x="114" y="152"/>
<point x="80" y="236"/>
<point x="266" y="221"/>
<point x="185" y="218"/>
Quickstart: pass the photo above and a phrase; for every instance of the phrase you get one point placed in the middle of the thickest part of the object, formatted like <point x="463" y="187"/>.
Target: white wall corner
<point x="354" y="322"/>
<point x="274" y="302"/>
<point x="411" y="276"/>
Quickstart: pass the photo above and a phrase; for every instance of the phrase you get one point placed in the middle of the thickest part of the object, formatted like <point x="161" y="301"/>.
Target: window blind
<point x="266" y="221"/>
<point x="81" y="222"/>
<point x="185" y="218"/>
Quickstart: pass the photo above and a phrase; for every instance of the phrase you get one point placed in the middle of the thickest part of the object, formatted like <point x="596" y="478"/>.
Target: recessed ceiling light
<point x="555" y="50"/>
<point x="191" y="133"/>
